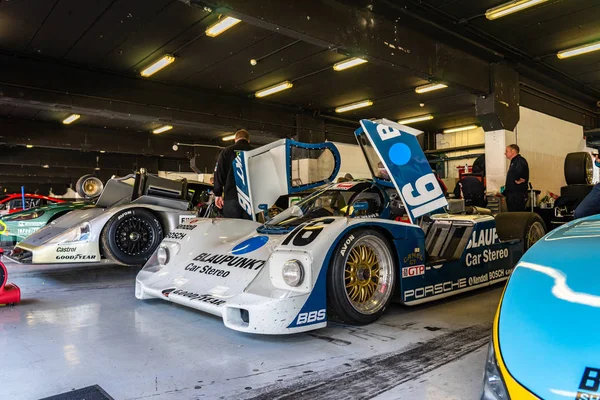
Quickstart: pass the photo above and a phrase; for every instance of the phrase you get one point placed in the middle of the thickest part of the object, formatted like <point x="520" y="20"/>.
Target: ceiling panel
<point x="20" y="20"/>
<point x="65" y="25"/>
<point x="306" y="66"/>
<point x="236" y="69"/>
<point x="207" y="51"/>
<point x="160" y="31"/>
<point x="113" y="28"/>
<point x="329" y="89"/>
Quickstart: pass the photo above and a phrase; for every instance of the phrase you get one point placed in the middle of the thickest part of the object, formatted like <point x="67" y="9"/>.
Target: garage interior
<point x="77" y="98"/>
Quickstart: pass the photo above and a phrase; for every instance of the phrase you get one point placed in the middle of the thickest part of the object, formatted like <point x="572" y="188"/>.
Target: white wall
<point x="544" y="142"/>
<point x="458" y="139"/>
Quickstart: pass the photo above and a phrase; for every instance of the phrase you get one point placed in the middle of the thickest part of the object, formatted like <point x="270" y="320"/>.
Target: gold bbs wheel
<point x="361" y="277"/>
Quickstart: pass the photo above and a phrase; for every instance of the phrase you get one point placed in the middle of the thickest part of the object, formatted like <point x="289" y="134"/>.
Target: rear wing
<point x="396" y="158"/>
<point x="281" y="168"/>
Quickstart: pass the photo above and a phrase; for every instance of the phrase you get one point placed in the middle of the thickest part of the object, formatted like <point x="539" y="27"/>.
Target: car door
<point x="281" y="168"/>
<point x="396" y="159"/>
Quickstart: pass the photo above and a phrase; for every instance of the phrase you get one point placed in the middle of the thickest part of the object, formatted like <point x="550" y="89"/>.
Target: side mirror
<point x="1" y="251"/>
<point x="296" y="211"/>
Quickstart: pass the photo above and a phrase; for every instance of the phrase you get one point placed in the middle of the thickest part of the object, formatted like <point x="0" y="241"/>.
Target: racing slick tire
<point x="89" y="187"/>
<point x="577" y="191"/>
<point x="579" y="168"/>
<point x="131" y="236"/>
<point x="527" y="226"/>
<point x="361" y="278"/>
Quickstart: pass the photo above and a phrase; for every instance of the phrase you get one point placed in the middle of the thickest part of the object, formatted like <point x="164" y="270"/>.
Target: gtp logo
<point x="590" y="382"/>
<point x="415" y="270"/>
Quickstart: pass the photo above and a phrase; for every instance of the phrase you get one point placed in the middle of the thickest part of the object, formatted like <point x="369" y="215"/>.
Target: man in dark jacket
<point x="517" y="179"/>
<point x="471" y="188"/>
<point x="226" y="197"/>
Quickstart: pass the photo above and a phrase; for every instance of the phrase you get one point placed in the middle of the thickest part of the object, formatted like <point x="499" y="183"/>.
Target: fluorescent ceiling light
<point x="158" y="65"/>
<point x="163" y="128"/>
<point x="274" y="89"/>
<point x="430" y="87"/>
<point x="511" y="7"/>
<point x="415" y="119"/>
<point x="354" y="106"/>
<point x="71" y="118"/>
<point x="228" y="138"/>
<point x="460" y="128"/>
<point x="221" y="26"/>
<point x="349" y="63"/>
<point x="29" y="146"/>
<point x="575" y="51"/>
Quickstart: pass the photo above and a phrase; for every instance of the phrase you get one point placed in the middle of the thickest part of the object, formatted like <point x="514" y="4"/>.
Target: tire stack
<point x="579" y="172"/>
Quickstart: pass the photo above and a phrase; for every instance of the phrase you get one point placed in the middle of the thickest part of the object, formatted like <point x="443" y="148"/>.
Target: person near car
<point x="224" y="187"/>
<point x="517" y="179"/>
<point x="471" y="188"/>
<point x="590" y="205"/>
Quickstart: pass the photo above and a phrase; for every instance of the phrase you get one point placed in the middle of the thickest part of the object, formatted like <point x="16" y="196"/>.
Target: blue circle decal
<point x="399" y="153"/>
<point x="248" y="246"/>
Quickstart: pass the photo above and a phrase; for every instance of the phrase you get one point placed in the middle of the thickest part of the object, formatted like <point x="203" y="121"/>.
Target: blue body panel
<point x="548" y="322"/>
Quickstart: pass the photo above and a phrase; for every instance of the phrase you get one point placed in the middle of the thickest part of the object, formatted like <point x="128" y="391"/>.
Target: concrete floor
<point x="83" y="326"/>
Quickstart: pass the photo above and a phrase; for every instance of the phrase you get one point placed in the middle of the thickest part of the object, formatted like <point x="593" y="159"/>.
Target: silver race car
<point x="131" y="217"/>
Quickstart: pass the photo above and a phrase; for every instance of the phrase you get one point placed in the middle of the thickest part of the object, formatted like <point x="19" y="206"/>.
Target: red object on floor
<point x="9" y="293"/>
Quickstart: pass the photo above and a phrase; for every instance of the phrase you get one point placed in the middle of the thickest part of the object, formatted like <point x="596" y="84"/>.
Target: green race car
<point x="17" y="226"/>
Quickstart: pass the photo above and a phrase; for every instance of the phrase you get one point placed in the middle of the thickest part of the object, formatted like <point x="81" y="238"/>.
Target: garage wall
<point x="457" y="139"/>
<point x="544" y="142"/>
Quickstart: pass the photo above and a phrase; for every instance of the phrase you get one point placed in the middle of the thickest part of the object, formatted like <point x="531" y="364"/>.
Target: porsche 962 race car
<point x="341" y="254"/>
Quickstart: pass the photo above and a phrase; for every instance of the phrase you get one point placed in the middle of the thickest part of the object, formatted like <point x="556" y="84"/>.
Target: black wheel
<point x="131" y="236"/>
<point x="527" y="226"/>
<point x="577" y="191"/>
<point x="579" y="168"/>
<point x="89" y="186"/>
<point x="361" y="278"/>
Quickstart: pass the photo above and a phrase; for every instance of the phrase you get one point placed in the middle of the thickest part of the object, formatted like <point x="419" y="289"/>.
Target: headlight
<point x="162" y="255"/>
<point x="81" y="233"/>
<point x="293" y="273"/>
<point x="493" y="385"/>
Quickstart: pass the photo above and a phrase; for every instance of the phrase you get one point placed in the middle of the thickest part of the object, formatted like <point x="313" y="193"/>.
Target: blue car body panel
<point x="548" y="321"/>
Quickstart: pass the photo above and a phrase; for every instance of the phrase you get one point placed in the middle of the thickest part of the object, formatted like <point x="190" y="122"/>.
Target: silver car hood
<point x="61" y="225"/>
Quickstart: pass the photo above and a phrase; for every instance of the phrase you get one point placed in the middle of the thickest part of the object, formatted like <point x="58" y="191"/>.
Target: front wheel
<point x="361" y="278"/>
<point x="131" y="236"/>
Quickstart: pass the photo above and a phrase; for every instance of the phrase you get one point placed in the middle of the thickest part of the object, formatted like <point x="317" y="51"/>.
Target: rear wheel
<point x="361" y="278"/>
<point x="131" y="236"/>
<point x="526" y="226"/>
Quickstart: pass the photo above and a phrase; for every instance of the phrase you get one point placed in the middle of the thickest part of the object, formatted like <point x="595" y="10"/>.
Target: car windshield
<point x="352" y="199"/>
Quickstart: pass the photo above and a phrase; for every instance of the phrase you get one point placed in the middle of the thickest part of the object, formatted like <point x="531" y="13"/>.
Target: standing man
<point x="225" y="190"/>
<point x="517" y="179"/>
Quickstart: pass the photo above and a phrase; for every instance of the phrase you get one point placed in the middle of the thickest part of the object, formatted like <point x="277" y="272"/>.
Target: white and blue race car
<point x="341" y="254"/>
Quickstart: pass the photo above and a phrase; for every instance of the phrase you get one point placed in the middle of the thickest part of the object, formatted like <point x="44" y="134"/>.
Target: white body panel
<point x="45" y="252"/>
<point x="272" y="306"/>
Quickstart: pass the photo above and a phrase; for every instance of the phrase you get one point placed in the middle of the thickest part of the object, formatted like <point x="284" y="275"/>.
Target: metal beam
<point x="77" y="137"/>
<point x="19" y="156"/>
<point x="344" y="27"/>
<point x="73" y="87"/>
